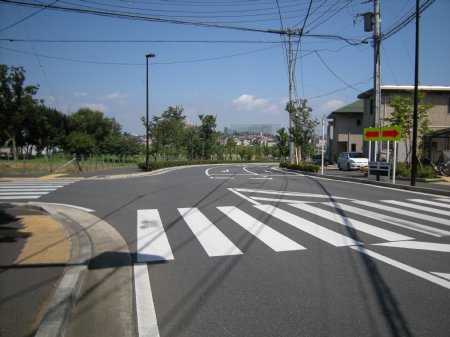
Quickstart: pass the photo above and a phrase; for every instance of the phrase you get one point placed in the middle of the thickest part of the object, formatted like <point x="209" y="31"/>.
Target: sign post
<point x="387" y="134"/>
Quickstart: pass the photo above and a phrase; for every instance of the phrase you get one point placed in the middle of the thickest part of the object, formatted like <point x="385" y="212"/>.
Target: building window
<point x="353" y="146"/>
<point x="358" y="122"/>
<point x="371" y="108"/>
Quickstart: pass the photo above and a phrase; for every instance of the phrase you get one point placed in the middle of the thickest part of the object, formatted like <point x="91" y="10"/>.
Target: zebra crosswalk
<point x="31" y="189"/>
<point x="391" y="224"/>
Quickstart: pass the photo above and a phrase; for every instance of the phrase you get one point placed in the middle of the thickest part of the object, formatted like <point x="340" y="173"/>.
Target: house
<point x="438" y="115"/>
<point x="345" y="130"/>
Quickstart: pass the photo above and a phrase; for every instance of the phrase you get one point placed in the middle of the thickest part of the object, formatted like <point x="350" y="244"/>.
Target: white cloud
<point x="115" y="96"/>
<point x="94" y="106"/>
<point x="80" y="94"/>
<point x="250" y="103"/>
<point x="333" y="105"/>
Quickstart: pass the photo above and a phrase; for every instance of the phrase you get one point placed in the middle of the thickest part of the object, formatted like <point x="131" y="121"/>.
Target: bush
<point x="155" y="165"/>
<point x="426" y="172"/>
<point x="301" y="167"/>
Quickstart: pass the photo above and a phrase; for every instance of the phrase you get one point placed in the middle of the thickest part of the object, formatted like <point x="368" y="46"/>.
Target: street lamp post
<point x="146" y="119"/>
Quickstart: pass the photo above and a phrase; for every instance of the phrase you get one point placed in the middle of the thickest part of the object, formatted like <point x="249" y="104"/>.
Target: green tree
<point x="283" y="144"/>
<point x="15" y="100"/>
<point x="230" y="146"/>
<point x="94" y="124"/>
<point x="302" y="132"/>
<point x="402" y="116"/>
<point x="80" y="143"/>
<point x="208" y="135"/>
<point x="167" y="131"/>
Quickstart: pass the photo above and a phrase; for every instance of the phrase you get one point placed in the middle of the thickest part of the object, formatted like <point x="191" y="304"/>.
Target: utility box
<point x="368" y="22"/>
<point x="379" y="171"/>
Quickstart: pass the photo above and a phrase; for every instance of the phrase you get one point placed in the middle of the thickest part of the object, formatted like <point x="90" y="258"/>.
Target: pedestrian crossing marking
<point x="397" y="210"/>
<point x="322" y="233"/>
<point x="31" y="189"/>
<point x="390" y="219"/>
<point x="437" y="247"/>
<point x="404" y="267"/>
<point x="152" y="242"/>
<point x="422" y="208"/>
<point x="352" y="223"/>
<point x="275" y="240"/>
<point x="210" y="237"/>
<point x="429" y="202"/>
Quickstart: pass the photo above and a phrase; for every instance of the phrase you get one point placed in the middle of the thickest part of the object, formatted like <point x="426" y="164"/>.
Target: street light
<point x="146" y="123"/>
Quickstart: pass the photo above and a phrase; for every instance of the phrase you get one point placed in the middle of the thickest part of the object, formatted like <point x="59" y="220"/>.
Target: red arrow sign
<point x="372" y="134"/>
<point x="389" y="133"/>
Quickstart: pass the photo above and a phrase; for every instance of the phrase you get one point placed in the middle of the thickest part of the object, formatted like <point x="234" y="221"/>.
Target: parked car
<point x="317" y="159"/>
<point x="352" y="161"/>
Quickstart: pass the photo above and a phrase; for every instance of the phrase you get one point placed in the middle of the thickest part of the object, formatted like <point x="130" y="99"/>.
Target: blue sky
<point x="68" y="55"/>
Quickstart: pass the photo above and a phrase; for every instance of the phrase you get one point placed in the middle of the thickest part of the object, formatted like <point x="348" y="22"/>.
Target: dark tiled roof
<point x="355" y="107"/>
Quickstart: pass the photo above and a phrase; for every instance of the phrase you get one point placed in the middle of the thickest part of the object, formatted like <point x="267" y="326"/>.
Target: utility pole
<point x="416" y="99"/>
<point x="377" y="71"/>
<point x="291" y="99"/>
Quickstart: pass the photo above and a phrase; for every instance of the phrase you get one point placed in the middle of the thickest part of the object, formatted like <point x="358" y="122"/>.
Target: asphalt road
<point x="251" y="251"/>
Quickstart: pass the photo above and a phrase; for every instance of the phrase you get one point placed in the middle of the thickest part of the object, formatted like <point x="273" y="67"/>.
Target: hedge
<point x="301" y="167"/>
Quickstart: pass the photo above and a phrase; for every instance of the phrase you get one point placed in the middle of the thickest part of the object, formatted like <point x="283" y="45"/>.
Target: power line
<point x="27" y="17"/>
<point x="137" y="41"/>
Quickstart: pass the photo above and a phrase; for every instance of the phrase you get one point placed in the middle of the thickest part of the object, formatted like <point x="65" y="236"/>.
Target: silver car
<point x="352" y="161"/>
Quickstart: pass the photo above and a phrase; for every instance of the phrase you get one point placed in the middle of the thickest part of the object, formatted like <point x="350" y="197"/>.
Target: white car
<point x="352" y="161"/>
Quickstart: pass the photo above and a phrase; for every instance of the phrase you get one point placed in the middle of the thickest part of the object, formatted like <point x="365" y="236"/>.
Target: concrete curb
<point x="57" y="314"/>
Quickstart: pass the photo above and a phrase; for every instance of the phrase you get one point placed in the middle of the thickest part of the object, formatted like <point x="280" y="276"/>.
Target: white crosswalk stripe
<point x="399" y="211"/>
<point x="275" y="240"/>
<point x="422" y="208"/>
<point x="391" y="220"/>
<point x="211" y="238"/>
<point x="31" y="189"/>
<point x="153" y="244"/>
<point x="352" y="223"/>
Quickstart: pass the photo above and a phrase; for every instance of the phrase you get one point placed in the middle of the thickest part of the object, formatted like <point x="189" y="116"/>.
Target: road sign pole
<point x="395" y="162"/>
<point x="388" y="148"/>
<point x="370" y="150"/>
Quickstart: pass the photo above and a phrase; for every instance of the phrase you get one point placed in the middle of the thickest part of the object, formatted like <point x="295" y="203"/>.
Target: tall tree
<point x="208" y="135"/>
<point x="402" y="116"/>
<point x="302" y="132"/>
<point x="15" y="100"/>
<point x="283" y="146"/>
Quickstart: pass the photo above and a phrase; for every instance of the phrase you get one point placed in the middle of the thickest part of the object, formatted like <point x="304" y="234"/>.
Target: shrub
<point x="404" y="170"/>
<point x="301" y="167"/>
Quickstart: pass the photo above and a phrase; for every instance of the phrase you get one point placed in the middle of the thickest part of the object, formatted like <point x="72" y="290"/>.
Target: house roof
<point x="355" y="107"/>
<point x="385" y="88"/>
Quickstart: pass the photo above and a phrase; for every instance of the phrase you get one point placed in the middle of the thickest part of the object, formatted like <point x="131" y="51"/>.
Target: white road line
<point x="243" y="196"/>
<point x="422" y="208"/>
<point x="210" y="237"/>
<point x="27" y="189"/>
<point x="263" y="178"/>
<point x="443" y="275"/>
<point x="403" y="212"/>
<point x="309" y="227"/>
<point x="390" y="219"/>
<point x="246" y="170"/>
<point x="285" y="193"/>
<point x="437" y="247"/>
<point x="404" y="267"/>
<point x="11" y="197"/>
<point x="289" y="201"/>
<point x="145" y="308"/>
<point x="443" y="200"/>
<point x="22" y="193"/>
<point x="65" y="205"/>
<point x="275" y="240"/>
<point x="429" y="202"/>
<point x="152" y="243"/>
<point x="352" y="223"/>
